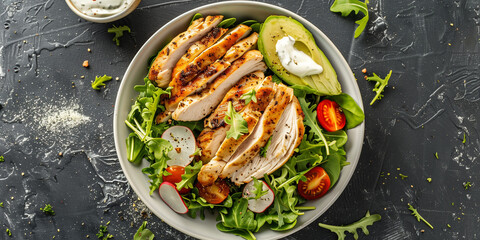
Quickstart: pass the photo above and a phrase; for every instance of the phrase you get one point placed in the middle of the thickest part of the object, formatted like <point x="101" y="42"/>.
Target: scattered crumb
<point x="117" y="78"/>
<point x="422" y="231"/>
<point x="429" y="179"/>
<point x="82" y="77"/>
<point x="85" y="64"/>
<point x="364" y="70"/>
<point x="89" y="50"/>
<point x="60" y="154"/>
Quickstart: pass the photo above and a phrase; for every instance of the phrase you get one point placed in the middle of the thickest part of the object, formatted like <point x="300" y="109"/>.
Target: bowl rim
<point x="358" y="131"/>
<point x="133" y="5"/>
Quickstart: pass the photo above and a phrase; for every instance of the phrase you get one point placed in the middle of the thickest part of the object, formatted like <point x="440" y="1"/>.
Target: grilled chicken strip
<point x="287" y="136"/>
<point x="161" y="69"/>
<point x="251" y="114"/>
<point x="262" y="132"/>
<point x="211" y="54"/>
<point x="197" y="48"/>
<point x="209" y="141"/>
<point x="245" y="85"/>
<point x="198" y="106"/>
<point x="180" y="91"/>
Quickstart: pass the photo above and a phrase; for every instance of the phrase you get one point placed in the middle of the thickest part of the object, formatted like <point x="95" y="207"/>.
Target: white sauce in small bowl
<point x="101" y="8"/>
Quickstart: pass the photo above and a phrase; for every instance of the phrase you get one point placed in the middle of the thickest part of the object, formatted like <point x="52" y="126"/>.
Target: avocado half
<point x="275" y="28"/>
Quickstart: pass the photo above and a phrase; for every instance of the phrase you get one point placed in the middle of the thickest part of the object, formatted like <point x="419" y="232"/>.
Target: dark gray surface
<point x="432" y="100"/>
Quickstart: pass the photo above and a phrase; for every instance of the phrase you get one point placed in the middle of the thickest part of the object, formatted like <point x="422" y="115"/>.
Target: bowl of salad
<point x="238" y="120"/>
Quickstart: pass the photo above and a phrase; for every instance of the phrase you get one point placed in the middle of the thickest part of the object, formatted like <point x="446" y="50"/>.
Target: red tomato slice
<point x="317" y="184"/>
<point x="176" y="177"/>
<point x="330" y="115"/>
<point x="215" y="193"/>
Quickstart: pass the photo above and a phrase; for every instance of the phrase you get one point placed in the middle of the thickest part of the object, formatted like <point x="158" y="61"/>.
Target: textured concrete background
<point x="432" y="102"/>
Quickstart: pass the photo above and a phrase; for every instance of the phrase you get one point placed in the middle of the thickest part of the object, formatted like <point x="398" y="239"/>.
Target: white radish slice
<point x="183" y="142"/>
<point x="169" y="194"/>
<point x="261" y="204"/>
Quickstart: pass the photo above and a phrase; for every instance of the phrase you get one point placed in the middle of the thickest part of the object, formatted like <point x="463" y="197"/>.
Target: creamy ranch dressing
<point x="294" y="60"/>
<point x="101" y="8"/>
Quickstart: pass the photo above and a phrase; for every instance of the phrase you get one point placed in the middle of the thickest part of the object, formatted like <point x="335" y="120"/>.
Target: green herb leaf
<point x="195" y="17"/>
<point x="238" y="218"/>
<point x="429" y="179"/>
<point x="256" y="27"/>
<point x="352" y="228"/>
<point x="436" y="155"/>
<point x="190" y="175"/>
<point x="379" y="85"/>
<point x="48" y="210"/>
<point x="99" y="81"/>
<point x="103" y="233"/>
<point x="263" y="150"/>
<point x="258" y="186"/>
<point x="8" y="232"/>
<point x="135" y="149"/>
<point x="227" y="23"/>
<point x="467" y="185"/>
<point x="249" y="96"/>
<point x="402" y="176"/>
<point x="345" y="7"/>
<point x="333" y="166"/>
<point x="353" y="112"/>
<point x="249" y="22"/>
<point x="1" y="204"/>
<point x="143" y="233"/>
<point x="118" y="32"/>
<point x="418" y="216"/>
<point x="464" y="138"/>
<point x="238" y="125"/>
<point x="2" y="159"/>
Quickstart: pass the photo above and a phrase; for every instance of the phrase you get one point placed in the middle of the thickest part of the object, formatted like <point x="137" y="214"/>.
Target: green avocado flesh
<point x="275" y="28"/>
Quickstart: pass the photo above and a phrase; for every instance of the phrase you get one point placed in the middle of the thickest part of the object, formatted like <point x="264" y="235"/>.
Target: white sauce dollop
<point x="294" y="60"/>
<point x="101" y="8"/>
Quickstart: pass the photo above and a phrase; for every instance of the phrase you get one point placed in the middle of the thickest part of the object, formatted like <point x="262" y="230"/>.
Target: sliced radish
<point x="169" y="194"/>
<point x="261" y="204"/>
<point x="183" y="142"/>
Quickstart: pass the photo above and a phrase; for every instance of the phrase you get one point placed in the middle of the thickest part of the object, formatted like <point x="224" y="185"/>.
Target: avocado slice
<point x="275" y="28"/>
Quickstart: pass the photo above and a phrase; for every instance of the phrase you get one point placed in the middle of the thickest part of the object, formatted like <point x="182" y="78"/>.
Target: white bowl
<point x="104" y="19"/>
<point x="137" y="70"/>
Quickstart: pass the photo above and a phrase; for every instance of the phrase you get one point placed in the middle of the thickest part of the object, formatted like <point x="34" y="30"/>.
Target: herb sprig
<point x="100" y="81"/>
<point x="352" y="228"/>
<point x="418" y="216"/>
<point x="379" y="86"/>
<point x="48" y="210"/>
<point x="238" y="125"/>
<point x="118" y="32"/>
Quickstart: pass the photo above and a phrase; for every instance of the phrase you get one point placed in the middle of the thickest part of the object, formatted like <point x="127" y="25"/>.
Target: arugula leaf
<point x="99" y="81"/>
<point x="249" y="96"/>
<point x="345" y="7"/>
<point x="258" y="192"/>
<point x="190" y="175"/>
<point x="263" y="150"/>
<point x="48" y="210"/>
<point x="239" y="218"/>
<point x="311" y="119"/>
<point x="467" y="185"/>
<point x="195" y="17"/>
<point x="352" y="228"/>
<point x="333" y="166"/>
<point x="227" y="23"/>
<point x="135" y="149"/>
<point x="2" y="159"/>
<point x="238" y="125"/>
<point x="118" y="32"/>
<point x="379" y="86"/>
<point x="353" y="112"/>
<point x="418" y="216"/>
<point x="143" y="233"/>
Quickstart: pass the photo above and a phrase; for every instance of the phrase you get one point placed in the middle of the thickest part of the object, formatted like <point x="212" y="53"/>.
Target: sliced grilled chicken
<point x="209" y="141"/>
<point x="245" y="85"/>
<point x="198" y="106"/>
<point x="197" y="48"/>
<point x="161" y="69"/>
<point x="181" y="90"/>
<point x="211" y="54"/>
<point x="287" y="136"/>
<point x="252" y="113"/>
<point x="262" y="132"/>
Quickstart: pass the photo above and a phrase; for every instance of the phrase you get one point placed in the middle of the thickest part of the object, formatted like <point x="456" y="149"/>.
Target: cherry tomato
<point x="330" y="115"/>
<point x="176" y="177"/>
<point x="317" y="184"/>
<point x="215" y="193"/>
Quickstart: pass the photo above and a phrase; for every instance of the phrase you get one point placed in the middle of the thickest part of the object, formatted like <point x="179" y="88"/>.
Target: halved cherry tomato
<point x="317" y="184"/>
<point x="176" y="177"/>
<point x="215" y="193"/>
<point x="330" y="115"/>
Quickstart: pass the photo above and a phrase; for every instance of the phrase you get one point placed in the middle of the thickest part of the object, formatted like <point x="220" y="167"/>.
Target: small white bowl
<point x="104" y="19"/>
